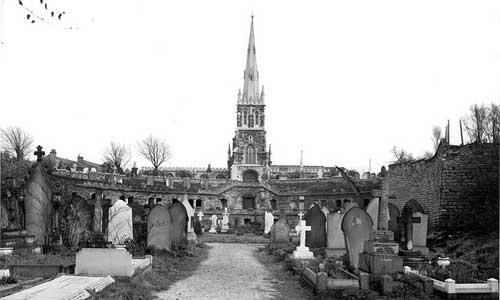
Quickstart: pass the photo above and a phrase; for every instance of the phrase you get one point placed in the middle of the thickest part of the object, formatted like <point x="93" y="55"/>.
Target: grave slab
<point x="380" y="264"/>
<point x="65" y="287"/>
<point x="109" y="261"/>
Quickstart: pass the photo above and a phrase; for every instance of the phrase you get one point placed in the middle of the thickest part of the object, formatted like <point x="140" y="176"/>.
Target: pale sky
<point x="344" y="80"/>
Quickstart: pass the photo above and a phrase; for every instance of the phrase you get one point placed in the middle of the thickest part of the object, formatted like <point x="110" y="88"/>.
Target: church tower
<point x="249" y="159"/>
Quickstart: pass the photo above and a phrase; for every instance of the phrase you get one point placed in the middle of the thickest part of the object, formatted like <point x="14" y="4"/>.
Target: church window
<point x="250" y="121"/>
<point x="248" y="202"/>
<point x="274" y="204"/>
<point x="250" y="155"/>
<point x="223" y="203"/>
<point x="257" y="118"/>
<point x="245" y="118"/>
<point x="262" y="120"/>
<point x="198" y="203"/>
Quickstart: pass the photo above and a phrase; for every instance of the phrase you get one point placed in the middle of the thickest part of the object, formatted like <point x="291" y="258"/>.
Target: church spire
<point x="251" y="93"/>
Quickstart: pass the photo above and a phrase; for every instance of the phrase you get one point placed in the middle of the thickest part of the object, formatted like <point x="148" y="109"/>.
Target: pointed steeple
<point x="251" y="93"/>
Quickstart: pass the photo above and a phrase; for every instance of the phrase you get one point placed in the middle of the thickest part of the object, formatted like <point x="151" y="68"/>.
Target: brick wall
<point x="456" y="187"/>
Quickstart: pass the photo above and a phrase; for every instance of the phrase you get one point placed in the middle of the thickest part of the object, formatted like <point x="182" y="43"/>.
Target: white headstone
<point x="200" y="216"/>
<point x="302" y="251"/>
<point x="214" y="224"/>
<point x="225" y="220"/>
<point x="190" y="213"/>
<point x="325" y="211"/>
<point x="268" y="222"/>
<point x="120" y="222"/>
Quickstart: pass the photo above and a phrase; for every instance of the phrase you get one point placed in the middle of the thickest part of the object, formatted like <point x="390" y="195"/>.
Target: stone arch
<point x="191" y="202"/>
<point x="220" y="176"/>
<point x="413" y="206"/>
<point x="170" y="175"/>
<point x="250" y="176"/>
<point x="204" y="176"/>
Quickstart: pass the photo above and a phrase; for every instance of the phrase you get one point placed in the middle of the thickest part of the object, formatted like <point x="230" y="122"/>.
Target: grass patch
<point x="233" y="238"/>
<point x="167" y="269"/>
<point x="26" y="257"/>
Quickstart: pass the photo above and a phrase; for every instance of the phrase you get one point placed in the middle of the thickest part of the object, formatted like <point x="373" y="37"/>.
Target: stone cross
<point x="408" y="220"/>
<point x="301" y="214"/>
<point x="302" y="228"/>
<point x="39" y="153"/>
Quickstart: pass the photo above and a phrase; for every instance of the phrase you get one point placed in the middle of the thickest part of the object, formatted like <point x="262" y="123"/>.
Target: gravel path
<point x="230" y="272"/>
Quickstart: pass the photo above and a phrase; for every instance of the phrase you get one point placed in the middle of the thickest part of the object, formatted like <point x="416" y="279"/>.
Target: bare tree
<point x="155" y="150"/>
<point x="117" y="155"/>
<point x="493" y="123"/>
<point x="476" y="123"/>
<point x="436" y="136"/>
<point x="16" y="142"/>
<point x="401" y="155"/>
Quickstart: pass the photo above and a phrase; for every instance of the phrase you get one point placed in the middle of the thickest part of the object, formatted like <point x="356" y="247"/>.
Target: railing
<point x="449" y="286"/>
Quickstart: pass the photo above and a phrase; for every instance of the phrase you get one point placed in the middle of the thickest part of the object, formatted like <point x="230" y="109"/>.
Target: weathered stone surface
<point x="159" y="225"/>
<point x="386" y="283"/>
<point x="64" y="287"/>
<point x="38" y="204"/>
<point x="420" y="230"/>
<point x="120" y="222"/>
<point x="335" y="235"/>
<point x="356" y="225"/>
<point x="104" y="261"/>
<point x="381" y="247"/>
<point x="380" y="264"/>
<point x="455" y="181"/>
<point x="178" y="231"/>
<point x="381" y="235"/>
<point x="393" y="221"/>
<point x="280" y="232"/>
<point x="315" y="218"/>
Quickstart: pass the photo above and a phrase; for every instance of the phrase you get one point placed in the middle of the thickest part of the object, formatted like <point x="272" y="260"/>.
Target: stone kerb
<point x="104" y="261"/>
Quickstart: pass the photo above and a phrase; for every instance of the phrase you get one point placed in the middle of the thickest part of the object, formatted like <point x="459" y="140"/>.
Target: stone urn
<point x="443" y="261"/>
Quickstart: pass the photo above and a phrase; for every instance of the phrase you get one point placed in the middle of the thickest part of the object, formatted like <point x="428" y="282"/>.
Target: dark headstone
<point x="316" y="238"/>
<point x="356" y="226"/>
<point x="159" y="226"/>
<point x="393" y="221"/>
<point x="178" y="231"/>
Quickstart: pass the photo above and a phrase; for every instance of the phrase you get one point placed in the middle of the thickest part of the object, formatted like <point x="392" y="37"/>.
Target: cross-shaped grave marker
<point x="408" y="220"/>
<point x="302" y="228"/>
<point x="39" y="153"/>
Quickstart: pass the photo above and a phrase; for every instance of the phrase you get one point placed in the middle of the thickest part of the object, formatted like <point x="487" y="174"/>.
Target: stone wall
<point x="456" y="187"/>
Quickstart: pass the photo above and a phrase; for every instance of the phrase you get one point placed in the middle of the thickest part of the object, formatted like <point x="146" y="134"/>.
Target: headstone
<point x="356" y="226"/>
<point x="225" y="221"/>
<point x="420" y="230"/>
<point x="178" y="231"/>
<point x="316" y="238"/>
<point x="335" y="236"/>
<point x="191" y="236"/>
<point x="325" y="211"/>
<point x="159" y="224"/>
<point x="372" y="211"/>
<point x="280" y="232"/>
<point x="348" y="205"/>
<point x="200" y="216"/>
<point x="268" y="222"/>
<point x="213" y="228"/>
<point x="120" y="222"/>
<point x="393" y="221"/>
<point x="302" y="252"/>
<point x="149" y="181"/>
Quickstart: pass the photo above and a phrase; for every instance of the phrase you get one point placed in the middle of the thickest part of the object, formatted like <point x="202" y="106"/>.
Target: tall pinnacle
<point x="250" y="93"/>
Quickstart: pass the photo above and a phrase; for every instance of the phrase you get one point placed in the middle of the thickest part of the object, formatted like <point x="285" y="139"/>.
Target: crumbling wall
<point x="457" y="187"/>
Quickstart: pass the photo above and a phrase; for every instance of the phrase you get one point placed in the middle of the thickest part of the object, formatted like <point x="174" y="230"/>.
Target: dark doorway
<point x="248" y="202"/>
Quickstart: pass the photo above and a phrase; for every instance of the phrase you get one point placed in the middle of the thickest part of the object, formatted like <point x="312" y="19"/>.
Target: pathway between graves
<point x="230" y="272"/>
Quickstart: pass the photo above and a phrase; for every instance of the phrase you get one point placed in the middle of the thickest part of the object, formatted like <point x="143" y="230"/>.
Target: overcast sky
<point x="344" y="81"/>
